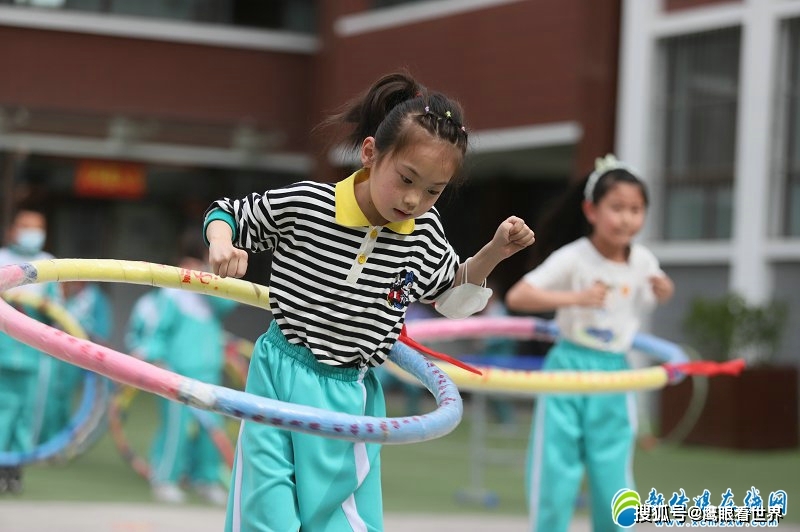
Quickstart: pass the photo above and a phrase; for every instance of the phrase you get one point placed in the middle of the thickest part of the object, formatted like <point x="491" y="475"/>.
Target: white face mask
<point x="463" y="300"/>
<point x="30" y="241"/>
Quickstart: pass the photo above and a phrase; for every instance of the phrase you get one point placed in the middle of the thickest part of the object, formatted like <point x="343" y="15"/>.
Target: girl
<point x="348" y="258"/>
<point x="600" y="284"/>
<point x="183" y="331"/>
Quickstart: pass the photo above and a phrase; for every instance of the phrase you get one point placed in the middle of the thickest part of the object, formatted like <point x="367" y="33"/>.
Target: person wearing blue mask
<point x="23" y="369"/>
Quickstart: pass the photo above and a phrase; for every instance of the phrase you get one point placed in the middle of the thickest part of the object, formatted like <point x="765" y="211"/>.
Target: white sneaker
<point x="212" y="493"/>
<point x="169" y="493"/>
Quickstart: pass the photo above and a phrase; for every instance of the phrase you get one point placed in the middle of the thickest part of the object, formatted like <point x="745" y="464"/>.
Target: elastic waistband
<point x="304" y="356"/>
<point x="590" y="351"/>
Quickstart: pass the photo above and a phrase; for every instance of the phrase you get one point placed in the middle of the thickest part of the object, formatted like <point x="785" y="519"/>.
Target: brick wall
<point x="98" y="74"/>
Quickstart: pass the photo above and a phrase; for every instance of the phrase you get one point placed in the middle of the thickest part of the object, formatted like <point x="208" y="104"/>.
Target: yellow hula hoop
<point x="505" y="381"/>
<point x="157" y="275"/>
<point x="525" y="383"/>
<point x="49" y="308"/>
<point x="205" y="396"/>
<point x="146" y="273"/>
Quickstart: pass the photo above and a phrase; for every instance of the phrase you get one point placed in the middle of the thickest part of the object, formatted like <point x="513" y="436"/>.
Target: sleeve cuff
<point x="219" y="214"/>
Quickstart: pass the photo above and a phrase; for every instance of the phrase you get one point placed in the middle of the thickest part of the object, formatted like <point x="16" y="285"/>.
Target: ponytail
<point x="390" y="105"/>
<point x="371" y="108"/>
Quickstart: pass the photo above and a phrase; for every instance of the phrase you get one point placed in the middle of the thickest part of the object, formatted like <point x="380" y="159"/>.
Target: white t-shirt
<point x="576" y="267"/>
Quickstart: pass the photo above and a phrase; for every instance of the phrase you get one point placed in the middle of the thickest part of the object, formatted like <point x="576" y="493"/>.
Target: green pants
<point x="20" y="414"/>
<point x="59" y="399"/>
<point x="182" y="448"/>
<point x="285" y="481"/>
<point x="573" y="433"/>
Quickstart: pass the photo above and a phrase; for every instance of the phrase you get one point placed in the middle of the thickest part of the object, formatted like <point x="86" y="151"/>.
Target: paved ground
<point x="83" y="517"/>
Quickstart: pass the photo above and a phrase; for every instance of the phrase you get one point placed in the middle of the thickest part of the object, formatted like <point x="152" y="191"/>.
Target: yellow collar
<point x="349" y="214"/>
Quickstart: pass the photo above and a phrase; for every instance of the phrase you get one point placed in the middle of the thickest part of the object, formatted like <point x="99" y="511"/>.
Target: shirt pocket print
<point x="401" y="290"/>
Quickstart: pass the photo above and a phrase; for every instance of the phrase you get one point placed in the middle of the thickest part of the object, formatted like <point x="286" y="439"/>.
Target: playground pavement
<point x="34" y="516"/>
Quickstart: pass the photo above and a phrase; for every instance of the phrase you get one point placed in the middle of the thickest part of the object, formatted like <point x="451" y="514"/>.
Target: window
<point x="290" y="15"/>
<point x="377" y="4"/>
<point x="700" y="96"/>
<point x="790" y="172"/>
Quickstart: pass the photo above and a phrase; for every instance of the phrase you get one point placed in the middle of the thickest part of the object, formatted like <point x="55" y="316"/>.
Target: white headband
<point x="603" y="165"/>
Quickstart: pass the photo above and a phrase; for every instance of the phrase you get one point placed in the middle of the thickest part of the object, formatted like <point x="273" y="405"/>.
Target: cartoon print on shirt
<point x="619" y="294"/>
<point x="400" y="292"/>
<point x="604" y="335"/>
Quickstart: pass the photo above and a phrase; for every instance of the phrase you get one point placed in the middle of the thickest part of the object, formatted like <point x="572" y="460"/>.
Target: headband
<point x="603" y="165"/>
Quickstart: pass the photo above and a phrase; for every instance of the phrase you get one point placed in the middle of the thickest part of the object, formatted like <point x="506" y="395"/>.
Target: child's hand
<point x="226" y="260"/>
<point x="512" y="236"/>
<point x="663" y="287"/>
<point x="594" y="296"/>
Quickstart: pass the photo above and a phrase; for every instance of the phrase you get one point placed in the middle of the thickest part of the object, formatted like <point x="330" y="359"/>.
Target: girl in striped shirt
<point x="347" y="260"/>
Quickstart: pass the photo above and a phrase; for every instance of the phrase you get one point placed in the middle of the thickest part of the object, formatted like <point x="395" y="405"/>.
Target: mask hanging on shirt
<point x="30" y="241"/>
<point x="463" y="300"/>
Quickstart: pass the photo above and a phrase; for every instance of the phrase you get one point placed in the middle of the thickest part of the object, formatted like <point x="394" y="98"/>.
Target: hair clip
<point x="427" y="109"/>
<point x="448" y="114"/>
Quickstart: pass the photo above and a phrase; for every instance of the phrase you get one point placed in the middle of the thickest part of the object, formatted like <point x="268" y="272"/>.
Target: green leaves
<point x="729" y="327"/>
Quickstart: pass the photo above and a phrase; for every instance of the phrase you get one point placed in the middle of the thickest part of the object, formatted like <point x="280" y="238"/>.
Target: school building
<point x="709" y="95"/>
<point x="127" y="118"/>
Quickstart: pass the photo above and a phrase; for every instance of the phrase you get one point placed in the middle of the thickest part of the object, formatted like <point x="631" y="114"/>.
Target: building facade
<point x="126" y="118"/>
<point x="708" y="109"/>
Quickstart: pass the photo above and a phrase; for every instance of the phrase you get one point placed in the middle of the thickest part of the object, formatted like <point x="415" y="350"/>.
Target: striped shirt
<point x="340" y="286"/>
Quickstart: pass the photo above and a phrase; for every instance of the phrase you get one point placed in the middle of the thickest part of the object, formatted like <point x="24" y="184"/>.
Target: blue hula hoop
<point x="55" y="446"/>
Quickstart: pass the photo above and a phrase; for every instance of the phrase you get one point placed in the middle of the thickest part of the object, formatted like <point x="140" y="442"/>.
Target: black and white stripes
<point x="340" y="291"/>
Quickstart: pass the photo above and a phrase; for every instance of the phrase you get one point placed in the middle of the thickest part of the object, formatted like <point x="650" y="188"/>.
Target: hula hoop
<point x="697" y="401"/>
<point x="522" y="382"/>
<point x="237" y="351"/>
<point x="237" y="357"/>
<point x="131" y="371"/>
<point x="118" y="407"/>
<point x="679" y="360"/>
<point x="86" y="422"/>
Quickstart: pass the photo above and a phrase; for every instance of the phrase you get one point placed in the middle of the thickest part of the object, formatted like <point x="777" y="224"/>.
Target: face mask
<point x="30" y="241"/>
<point x="463" y="300"/>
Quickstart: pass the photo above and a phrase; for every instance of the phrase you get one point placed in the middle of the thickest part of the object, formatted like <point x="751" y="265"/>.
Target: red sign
<point x="110" y="179"/>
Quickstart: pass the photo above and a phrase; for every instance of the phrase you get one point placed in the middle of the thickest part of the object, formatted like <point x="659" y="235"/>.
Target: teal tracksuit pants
<point x="286" y="481"/>
<point x="573" y="434"/>
<point x="20" y="413"/>
<point x="182" y="448"/>
<point x="59" y="396"/>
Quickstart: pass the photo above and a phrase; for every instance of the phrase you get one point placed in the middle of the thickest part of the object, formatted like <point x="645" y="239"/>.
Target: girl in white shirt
<point x="600" y="284"/>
